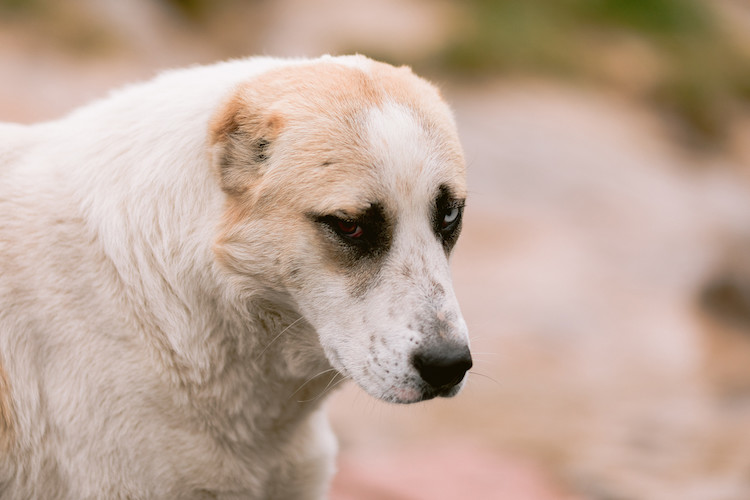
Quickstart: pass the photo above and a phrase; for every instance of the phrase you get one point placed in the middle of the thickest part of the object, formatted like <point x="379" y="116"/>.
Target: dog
<point x="189" y="265"/>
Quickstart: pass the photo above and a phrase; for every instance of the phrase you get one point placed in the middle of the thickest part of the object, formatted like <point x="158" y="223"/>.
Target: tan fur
<point x="296" y="96"/>
<point x="7" y="419"/>
<point x="278" y="101"/>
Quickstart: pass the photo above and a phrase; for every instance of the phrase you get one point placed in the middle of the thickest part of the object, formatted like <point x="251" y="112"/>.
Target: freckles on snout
<point x="424" y="352"/>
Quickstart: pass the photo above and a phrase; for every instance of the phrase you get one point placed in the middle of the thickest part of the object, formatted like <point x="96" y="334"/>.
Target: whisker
<point x="311" y="379"/>
<point x="485" y="376"/>
<point x="277" y="337"/>
<point x="327" y="388"/>
<point x="483" y="360"/>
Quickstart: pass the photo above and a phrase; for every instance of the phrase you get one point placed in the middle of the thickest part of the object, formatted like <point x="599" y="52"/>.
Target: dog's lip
<point x="409" y="395"/>
<point x="405" y="395"/>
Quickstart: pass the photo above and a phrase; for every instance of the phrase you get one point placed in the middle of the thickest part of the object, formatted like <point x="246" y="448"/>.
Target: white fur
<point x="138" y="367"/>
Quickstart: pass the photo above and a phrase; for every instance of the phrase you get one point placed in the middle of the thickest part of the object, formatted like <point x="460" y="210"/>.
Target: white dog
<point x="187" y="266"/>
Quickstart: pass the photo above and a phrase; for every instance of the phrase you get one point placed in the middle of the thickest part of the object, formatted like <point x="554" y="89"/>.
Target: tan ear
<point x="242" y="135"/>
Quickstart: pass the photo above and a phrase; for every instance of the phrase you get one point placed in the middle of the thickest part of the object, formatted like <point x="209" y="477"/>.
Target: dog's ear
<point x="242" y="135"/>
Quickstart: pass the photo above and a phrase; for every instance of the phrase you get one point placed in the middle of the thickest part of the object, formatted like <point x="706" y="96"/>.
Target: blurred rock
<point x="724" y="303"/>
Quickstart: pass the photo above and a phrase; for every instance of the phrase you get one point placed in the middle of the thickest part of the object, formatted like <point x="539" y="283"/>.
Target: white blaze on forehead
<point x="407" y="157"/>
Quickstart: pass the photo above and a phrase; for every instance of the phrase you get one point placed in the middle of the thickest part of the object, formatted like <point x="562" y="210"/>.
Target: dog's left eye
<point x="446" y="217"/>
<point x="451" y="217"/>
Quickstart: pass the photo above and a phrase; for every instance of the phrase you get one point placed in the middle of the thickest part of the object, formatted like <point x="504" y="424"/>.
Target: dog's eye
<point x="450" y="220"/>
<point x="446" y="217"/>
<point x="358" y="235"/>
<point x="451" y="217"/>
<point x="350" y="229"/>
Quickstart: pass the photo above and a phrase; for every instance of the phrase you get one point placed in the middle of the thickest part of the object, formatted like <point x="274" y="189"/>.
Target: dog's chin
<point x="410" y="395"/>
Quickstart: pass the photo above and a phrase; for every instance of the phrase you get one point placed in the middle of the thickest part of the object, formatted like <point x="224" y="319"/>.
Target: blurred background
<point x="604" y="268"/>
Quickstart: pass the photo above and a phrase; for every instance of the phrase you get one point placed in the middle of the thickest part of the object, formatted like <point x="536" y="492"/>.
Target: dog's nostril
<point x="443" y="366"/>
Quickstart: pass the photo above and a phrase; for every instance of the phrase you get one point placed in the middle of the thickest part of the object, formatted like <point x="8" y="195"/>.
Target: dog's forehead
<point x="362" y="133"/>
<point x="414" y="154"/>
<point x="400" y="160"/>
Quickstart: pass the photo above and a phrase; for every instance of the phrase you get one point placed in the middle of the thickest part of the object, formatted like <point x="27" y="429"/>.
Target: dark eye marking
<point x="363" y="235"/>
<point x="447" y="217"/>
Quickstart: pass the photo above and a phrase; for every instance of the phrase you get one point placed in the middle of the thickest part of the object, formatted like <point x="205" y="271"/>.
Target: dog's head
<point x="345" y="186"/>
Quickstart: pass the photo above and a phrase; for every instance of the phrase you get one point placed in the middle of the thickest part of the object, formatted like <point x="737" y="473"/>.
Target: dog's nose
<point x="443" y="366"/>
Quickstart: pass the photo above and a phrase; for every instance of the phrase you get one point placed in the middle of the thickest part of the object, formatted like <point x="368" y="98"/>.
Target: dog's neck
<point x="245" y="368"/>
<point x="271" y="374"/>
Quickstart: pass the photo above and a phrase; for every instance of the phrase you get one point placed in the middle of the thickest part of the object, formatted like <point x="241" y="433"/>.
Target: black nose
<point x="443" y="366"/>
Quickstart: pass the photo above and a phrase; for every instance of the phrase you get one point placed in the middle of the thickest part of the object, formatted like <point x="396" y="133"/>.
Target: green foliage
<point x="508" y="34"/>
<point x="541" y="33"/>
<point x="192" y="9"/>
<point x="19" y="7"/>
<point x="201" y="11"/>
<point x="657" y="18"/>
<point x="702" y="74"/>
<point x="66" y="24"/>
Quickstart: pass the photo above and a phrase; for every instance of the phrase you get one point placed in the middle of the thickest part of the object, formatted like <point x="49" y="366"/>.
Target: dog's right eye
<point x="367" y="234"/>
<point x="354" y="231"/>
<point x="349" y="229"/>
